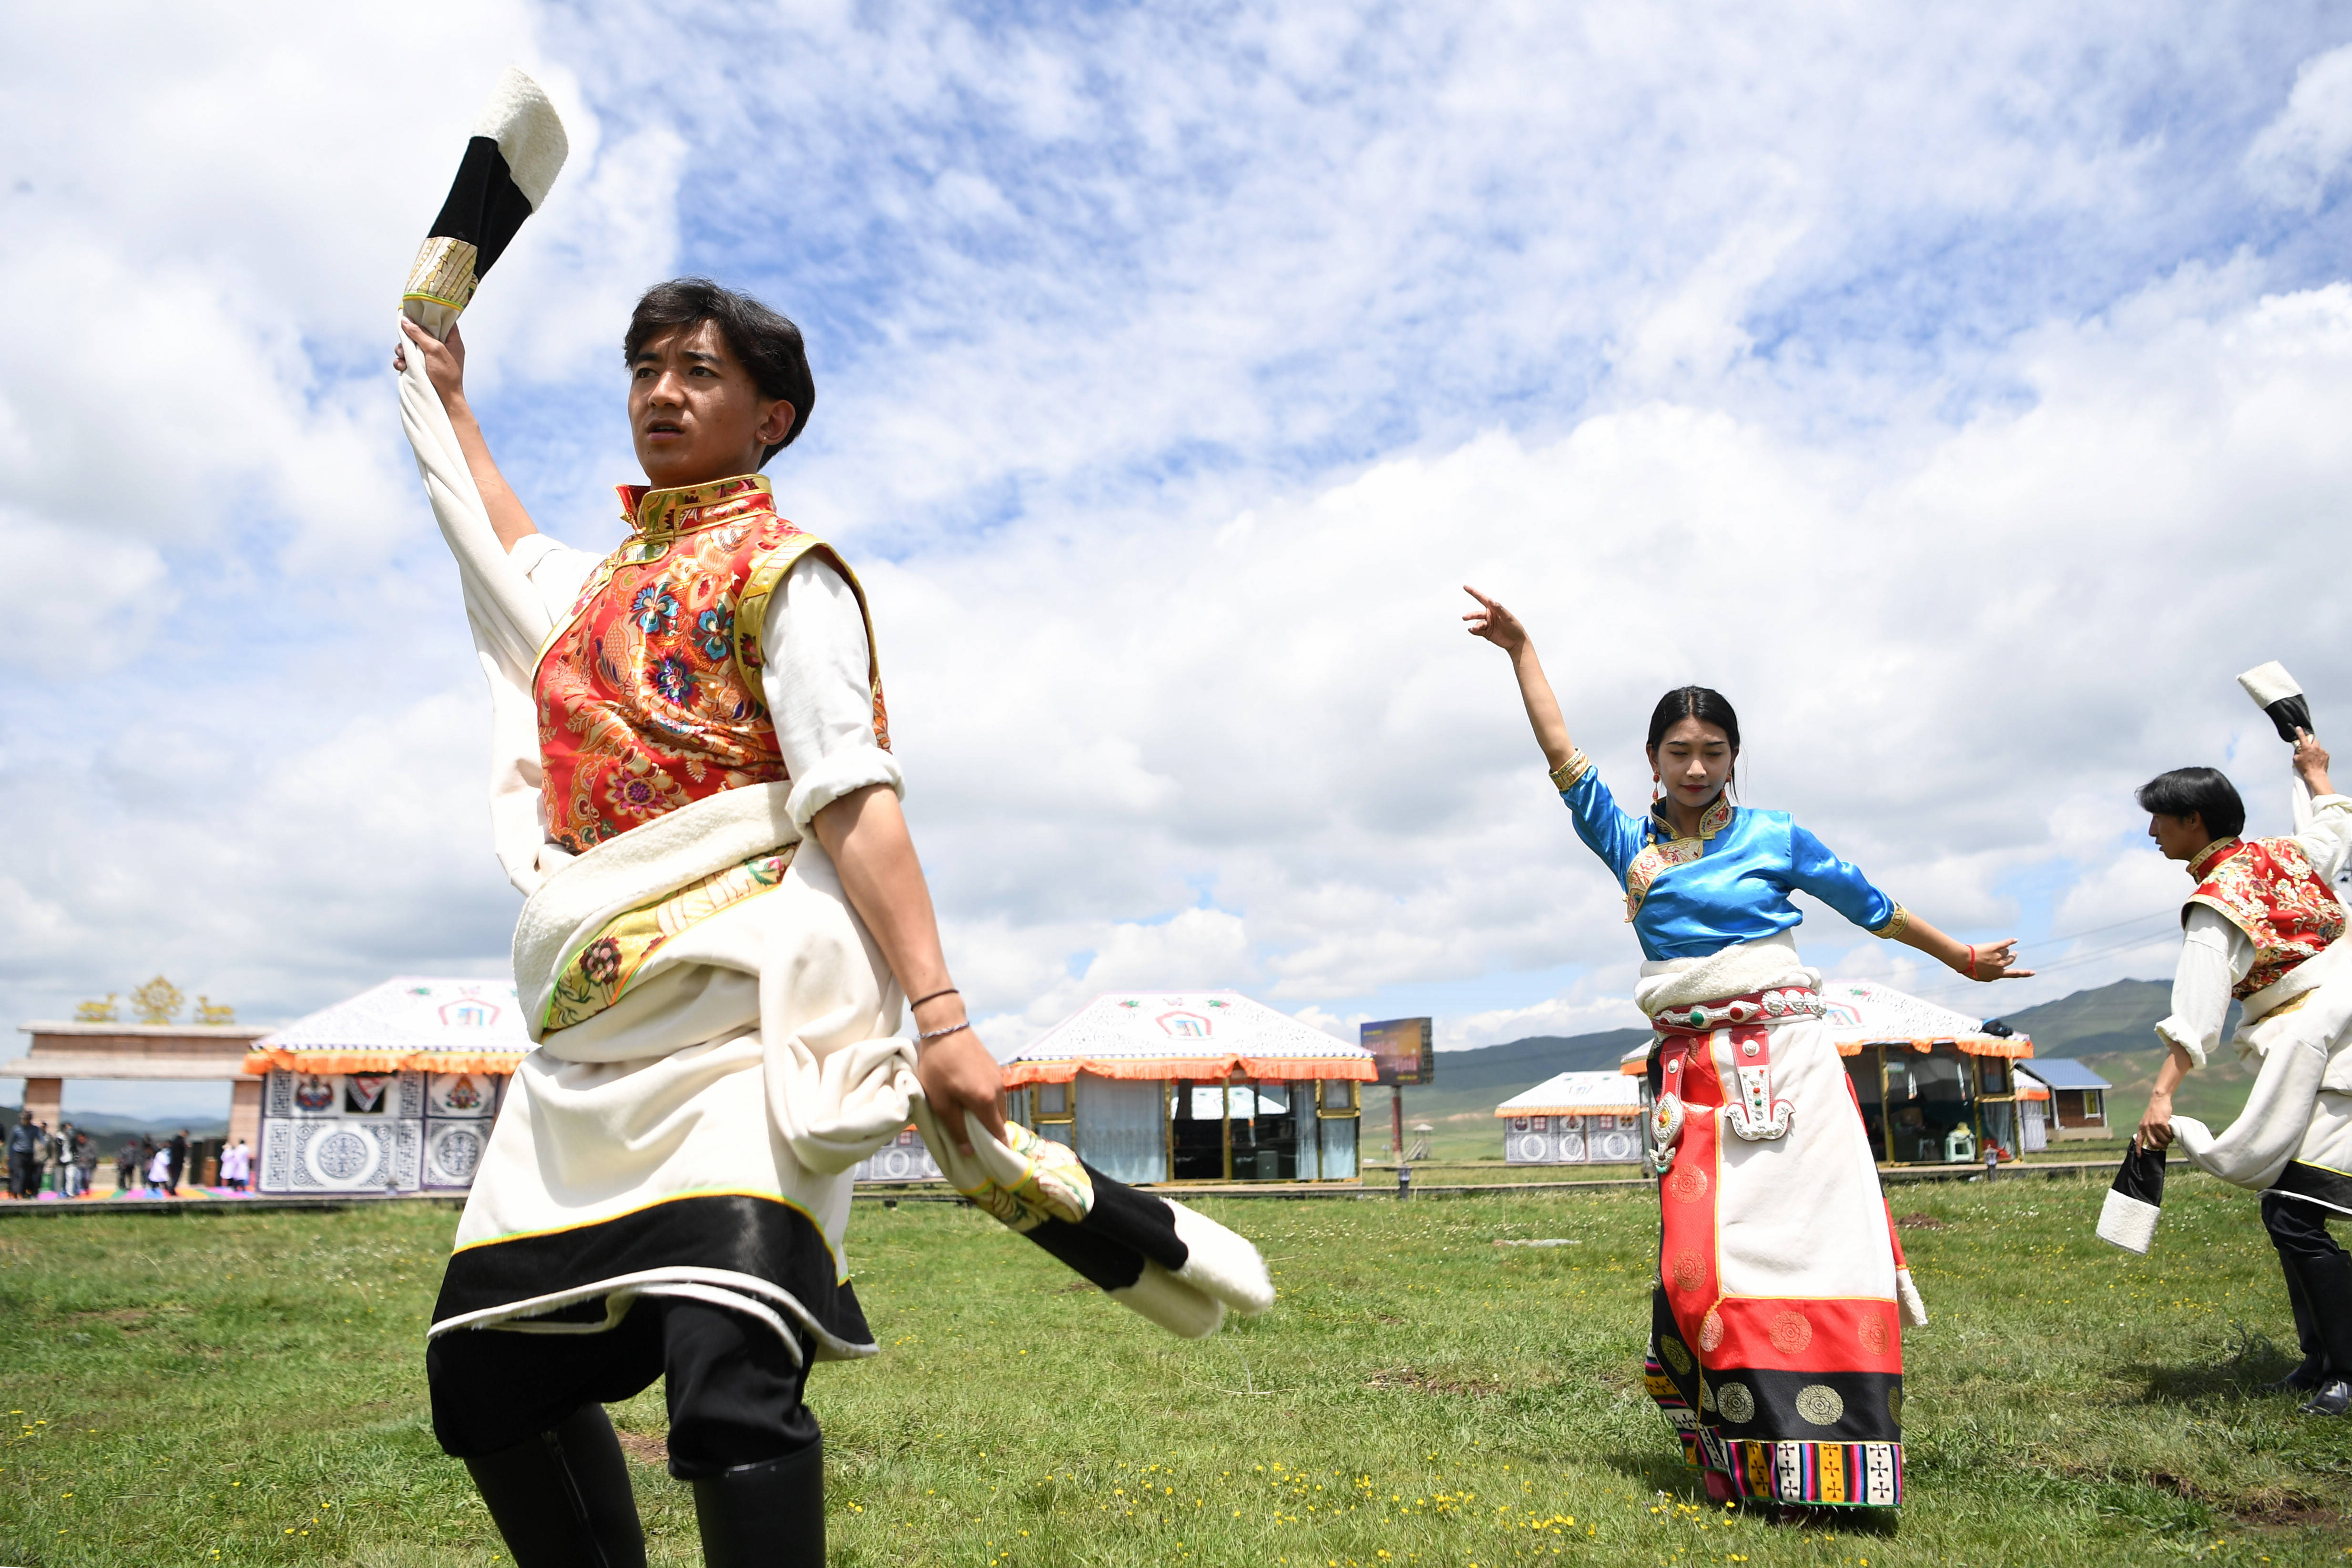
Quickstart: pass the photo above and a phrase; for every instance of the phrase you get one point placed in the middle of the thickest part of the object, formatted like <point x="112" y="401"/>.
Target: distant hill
<point x="2117" y="1017"/>
<point x="1469" y="1083"/>
<point x="1523" y="1064"/>
<point x="2112" y="1031"/>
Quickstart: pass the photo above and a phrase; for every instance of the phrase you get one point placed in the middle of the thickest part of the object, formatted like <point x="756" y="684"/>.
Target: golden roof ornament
<point x="157" y="1002"/>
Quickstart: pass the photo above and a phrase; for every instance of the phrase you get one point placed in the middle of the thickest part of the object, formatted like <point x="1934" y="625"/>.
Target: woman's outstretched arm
<point x="1993" y="961"/>
<point x="1504" y="630"/>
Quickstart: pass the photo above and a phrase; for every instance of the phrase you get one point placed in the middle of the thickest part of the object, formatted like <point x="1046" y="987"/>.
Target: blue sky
<point x="1962" y="391"/>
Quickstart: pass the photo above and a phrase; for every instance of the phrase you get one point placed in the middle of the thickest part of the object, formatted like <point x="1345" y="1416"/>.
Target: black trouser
<point x="20" y="1175"/>
<point x="733" y="1387"/>
<point x="2318" y="1278"/>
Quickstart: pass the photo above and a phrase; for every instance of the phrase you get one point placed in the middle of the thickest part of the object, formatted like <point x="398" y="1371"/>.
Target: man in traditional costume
<point x="2264" y="926"/>
<point x="693" y="784"/>
<point x="1776" y="1346"/>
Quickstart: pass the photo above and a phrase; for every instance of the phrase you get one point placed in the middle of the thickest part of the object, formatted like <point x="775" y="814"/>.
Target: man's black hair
<point x="2202" y="793"/>
<point x="767" y="344"/>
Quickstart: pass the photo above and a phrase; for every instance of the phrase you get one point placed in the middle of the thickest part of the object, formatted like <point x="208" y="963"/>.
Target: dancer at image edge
<point x="2265" y="927"/>
<point x="1775" y="1349"/>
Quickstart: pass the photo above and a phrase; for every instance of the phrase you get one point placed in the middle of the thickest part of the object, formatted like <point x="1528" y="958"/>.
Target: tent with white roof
<point x="1154" y="1086"/>
<point x="390" y="1091"/>
<point x="1574" y="1118"/>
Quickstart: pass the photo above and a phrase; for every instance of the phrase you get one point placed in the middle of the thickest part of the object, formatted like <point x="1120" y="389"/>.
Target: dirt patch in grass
<point x="1920" y="1222"/>
<point x="128" y="1319"/>
<point x="2273" y="1507"/>
<point x="644" y="1448"/>
<point x="1430" y="1383"/>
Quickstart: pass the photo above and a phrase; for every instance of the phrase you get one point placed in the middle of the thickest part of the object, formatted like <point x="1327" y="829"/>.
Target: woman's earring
<point x="1656" y="794"/>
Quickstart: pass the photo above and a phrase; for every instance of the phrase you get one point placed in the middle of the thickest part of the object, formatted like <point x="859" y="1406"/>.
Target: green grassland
<point x="208" y="1388"/>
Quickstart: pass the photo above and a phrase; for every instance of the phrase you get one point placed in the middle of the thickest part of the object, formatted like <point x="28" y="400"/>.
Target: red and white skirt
<point x="1776" y="1346"/>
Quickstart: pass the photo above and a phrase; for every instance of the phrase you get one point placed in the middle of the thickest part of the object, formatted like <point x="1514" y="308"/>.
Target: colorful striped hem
<point x="1820" y="1475"/>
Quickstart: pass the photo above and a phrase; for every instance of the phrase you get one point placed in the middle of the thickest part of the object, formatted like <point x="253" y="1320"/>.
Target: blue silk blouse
<point x="1691" y="897"/>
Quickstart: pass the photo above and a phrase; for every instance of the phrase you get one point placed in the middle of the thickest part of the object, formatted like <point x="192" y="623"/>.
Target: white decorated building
<point x="390" y="1091"/>
<point x="1574" y="1118"/>
<point x="1156" y="1086"/>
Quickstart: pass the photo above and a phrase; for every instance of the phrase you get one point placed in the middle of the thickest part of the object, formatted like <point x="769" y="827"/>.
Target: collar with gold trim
<point x="651" y="513"/>
<point x="1712" y="821"/>
<point x="2201" y="863"/>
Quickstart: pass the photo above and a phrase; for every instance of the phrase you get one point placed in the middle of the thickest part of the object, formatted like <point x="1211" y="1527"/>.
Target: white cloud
<point x="2299" y="152"/>
<point x="1874" y="366"/>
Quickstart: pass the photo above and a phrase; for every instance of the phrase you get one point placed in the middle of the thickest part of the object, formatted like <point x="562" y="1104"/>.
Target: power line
<point x="2070" y="961"/>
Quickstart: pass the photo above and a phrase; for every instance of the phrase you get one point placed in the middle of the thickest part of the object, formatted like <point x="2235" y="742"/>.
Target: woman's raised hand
<point x="1493" y="623"/>
<point x="444" y="363"/>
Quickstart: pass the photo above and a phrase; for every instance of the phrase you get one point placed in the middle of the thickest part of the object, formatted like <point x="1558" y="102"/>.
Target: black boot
<point x="2334" y="1398"/>
<point x="2314" y="1370"/>
<point x="764" y="1516"/>
<point x="562" y="1499"/>
<point x="2328" y="1291"/>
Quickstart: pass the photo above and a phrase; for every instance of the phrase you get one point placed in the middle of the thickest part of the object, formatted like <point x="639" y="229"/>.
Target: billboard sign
<point x="1404" y="1050"/>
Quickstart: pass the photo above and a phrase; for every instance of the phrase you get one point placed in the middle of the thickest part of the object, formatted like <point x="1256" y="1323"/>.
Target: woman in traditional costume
<point x="1776" y="1350"/>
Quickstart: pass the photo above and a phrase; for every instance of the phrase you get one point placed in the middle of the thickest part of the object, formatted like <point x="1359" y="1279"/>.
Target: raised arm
<point x="1504" y="630"/>
<point x="444" y="366"/>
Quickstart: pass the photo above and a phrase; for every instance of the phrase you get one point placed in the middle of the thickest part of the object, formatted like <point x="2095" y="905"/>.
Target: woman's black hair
<point x="768" y="344"/>
<point x="2202" y="793"/>
<point x="1703" y="703"/>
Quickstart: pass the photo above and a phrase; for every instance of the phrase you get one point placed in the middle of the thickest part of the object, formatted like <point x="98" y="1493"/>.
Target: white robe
<point x="2300" y="1029"/>
<point x="756" y="1054"/>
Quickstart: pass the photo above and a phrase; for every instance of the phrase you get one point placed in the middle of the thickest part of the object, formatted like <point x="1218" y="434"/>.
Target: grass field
<point x="204" y="1389"/>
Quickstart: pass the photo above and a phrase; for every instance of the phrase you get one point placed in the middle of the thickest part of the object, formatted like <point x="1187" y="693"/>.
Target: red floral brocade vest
<point x="2267" y="889"/>
<point x="648" y="691"/>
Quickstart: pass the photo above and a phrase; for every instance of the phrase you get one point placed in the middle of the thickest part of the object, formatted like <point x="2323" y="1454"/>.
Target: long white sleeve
<point x="555" y="570"/>
<point x="2326" y="837"/>
<point x="817" y="683"/>
<point x="2215" y="956"/>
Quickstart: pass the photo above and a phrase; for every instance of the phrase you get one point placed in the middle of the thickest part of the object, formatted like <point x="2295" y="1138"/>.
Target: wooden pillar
<point x="1227" y="1107"/>
<point x="45" y="1098"/>
<point x="245" y="1114"/>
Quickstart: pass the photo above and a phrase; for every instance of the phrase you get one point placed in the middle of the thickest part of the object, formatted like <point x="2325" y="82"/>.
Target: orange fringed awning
<point x="1968" y="1044"/>
<point x="259" y="1062"/>
<point x="1270" y="1069"/>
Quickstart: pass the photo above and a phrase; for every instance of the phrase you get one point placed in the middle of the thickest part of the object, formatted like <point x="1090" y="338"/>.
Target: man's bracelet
<point x="942" y="1033"/>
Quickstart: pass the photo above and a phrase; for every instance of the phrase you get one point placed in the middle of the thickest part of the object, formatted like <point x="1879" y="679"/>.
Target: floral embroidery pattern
<point x="2267" y="889"/>
<point x="597" y="975"/>
<point x="648" y="694"/>
<point x="1657" y="857"/>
